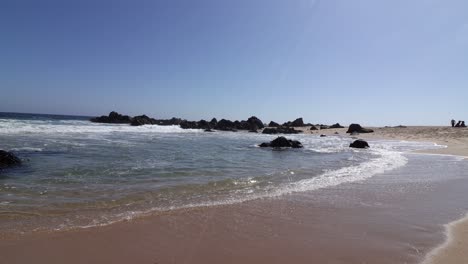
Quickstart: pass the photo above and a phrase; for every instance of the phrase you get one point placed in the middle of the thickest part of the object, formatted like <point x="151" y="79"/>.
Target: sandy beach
<point x="349" y="223"/>
<point x="456" y="140"/>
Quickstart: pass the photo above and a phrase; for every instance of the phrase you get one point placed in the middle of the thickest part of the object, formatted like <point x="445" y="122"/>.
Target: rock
<point x="357" y="128"/>
<point x="8" y="159"/>
<point x="203" y="124"/>
<point x="142" y="120"/>
<point x="209" y="130"/>
<point x="113" y="118"/>
<point x="255" y="122"/>
<point x="270" y="131"/>
<point x="226" y="125"/>
<point x="296" y="123"/>
<point x="282" y="142"/>
<point x="281" y="130"/>
<point x="336" y="133"/>
<point x="359" y="144"/>
<point x="337" y="125"/>
<point x="189" y="124"/>
<point x="168" y="122"/>
<point x="323" y="135"/>
<point x="213" y="122"/>
<point x="324" y="127"/>
<point x="313" y="128"/>
<point x="273" y="124"/>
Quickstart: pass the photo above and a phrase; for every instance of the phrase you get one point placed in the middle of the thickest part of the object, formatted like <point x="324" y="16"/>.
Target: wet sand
<point x="393" y="218"/>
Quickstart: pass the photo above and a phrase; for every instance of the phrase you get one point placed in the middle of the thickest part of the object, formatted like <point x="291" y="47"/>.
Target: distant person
<point x="458" y="124"/>
<point x="453" y="122"/>
<point x="462" y="124"/>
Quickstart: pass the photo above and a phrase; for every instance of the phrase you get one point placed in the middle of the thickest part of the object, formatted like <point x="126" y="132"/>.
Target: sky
<point x="374" y="62"/>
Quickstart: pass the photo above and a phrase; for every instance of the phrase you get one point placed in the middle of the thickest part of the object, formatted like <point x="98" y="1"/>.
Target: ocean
<point x="78" y="174"/>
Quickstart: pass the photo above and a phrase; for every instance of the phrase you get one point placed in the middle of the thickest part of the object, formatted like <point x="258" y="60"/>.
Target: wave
<point x="11" y="126"/>
<point x="386" y="159"/>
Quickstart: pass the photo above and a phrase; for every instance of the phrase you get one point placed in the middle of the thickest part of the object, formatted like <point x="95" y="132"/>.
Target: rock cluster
<point x="252" y="124"/>
<point x="282" y="142"/>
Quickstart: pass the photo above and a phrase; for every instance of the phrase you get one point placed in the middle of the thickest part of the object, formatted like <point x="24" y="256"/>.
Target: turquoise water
<point x="77" y="173"/>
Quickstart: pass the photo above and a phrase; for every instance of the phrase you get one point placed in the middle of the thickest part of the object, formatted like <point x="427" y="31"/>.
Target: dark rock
<point x="225" y="125"/>
<point x="336" y="133"/>
<point x="281" y="130"/>
<point x="270" y="131"/>
<point x="273" y="124"/>
<point x="323" y="135"/>
<point x="313" y="128"/>
<point x="337" y="125"/>
<point x="357" y="128"/>
<point x="296" y="123"/>
<point x="255" y="122"/>
<point x="189" y="124"/>
<point x="168" y="122"/>
<point x="213" y="122"/>
<point x="203" y="124"/>
<point x="209" y="130"/>
<point x="359" y="144"/>
<point x="113" y="118"/>
<point x="142" y="120"/>
<point x="8" y="159"/>
<point x="282" y="142"/>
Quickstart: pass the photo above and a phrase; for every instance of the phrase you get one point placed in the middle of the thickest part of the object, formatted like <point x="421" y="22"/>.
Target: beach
<point x="397" y="216"/>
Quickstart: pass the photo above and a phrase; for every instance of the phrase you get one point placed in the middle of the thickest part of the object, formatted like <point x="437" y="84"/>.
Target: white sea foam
<point x="386" y="159"/>
<point x="10" y="126"/>
<point x="28" y="149"/>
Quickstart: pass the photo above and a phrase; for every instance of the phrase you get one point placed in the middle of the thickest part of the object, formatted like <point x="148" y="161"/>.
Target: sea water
<point x="76" y="173"/>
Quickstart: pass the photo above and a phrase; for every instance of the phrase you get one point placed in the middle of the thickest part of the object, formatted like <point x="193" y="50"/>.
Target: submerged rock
<point x="8" y="159"/>
<point x="359" y="144"/>
<point x="282" y="142"/>
<point x="358" y="128"/>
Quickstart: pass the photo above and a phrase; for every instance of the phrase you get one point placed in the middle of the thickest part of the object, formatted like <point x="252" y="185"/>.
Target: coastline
<point x="294" y="222"/>
<point x="453" y="250"/>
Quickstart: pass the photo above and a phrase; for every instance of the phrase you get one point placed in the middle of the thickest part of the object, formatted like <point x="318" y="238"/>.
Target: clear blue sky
<point x="377" y="62"/>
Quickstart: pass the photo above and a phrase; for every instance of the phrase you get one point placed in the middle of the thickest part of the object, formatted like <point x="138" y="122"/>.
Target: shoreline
<point x="171" y="220"/>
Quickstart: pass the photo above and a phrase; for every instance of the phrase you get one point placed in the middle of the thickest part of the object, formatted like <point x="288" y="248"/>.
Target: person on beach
<point x="453" y="122"/>
<point x="458" y="124"/>
<point x="462" y="124"/>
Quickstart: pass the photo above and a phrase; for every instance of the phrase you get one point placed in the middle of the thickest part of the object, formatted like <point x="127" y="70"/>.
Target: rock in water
<point x="282" y="142"/>
<point x="8" y="159"/>
<point x="359" y="144"/>
<point x="114" y="118"/>
<point x="358" y="128"/>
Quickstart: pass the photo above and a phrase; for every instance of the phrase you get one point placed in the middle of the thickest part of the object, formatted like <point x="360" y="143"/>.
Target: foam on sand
<point x="454" y="249"/>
